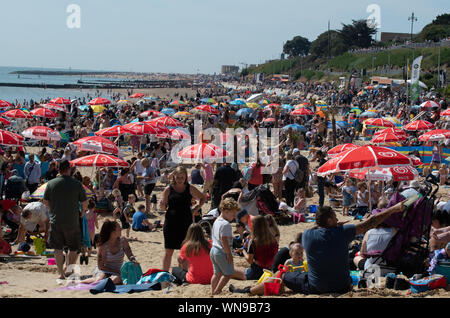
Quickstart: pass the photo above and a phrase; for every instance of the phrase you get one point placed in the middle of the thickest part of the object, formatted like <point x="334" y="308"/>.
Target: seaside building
<point x="230" y="69"/>
<point x="393" y="36"/>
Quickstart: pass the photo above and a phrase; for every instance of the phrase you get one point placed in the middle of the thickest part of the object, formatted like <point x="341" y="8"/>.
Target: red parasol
<point x="435" y="135"/>
<point x="114" y="131"/>
<point x="419" y="125"/>
<point x="167" y="121"/>
<point x="100" y="101"/>
<point x="61" y="101"/>
<point x="43" y="112"/>
<point x="8" y="138"/>
<point x="17" y="113"/>
<point x="302" y="111"/>
<point x="388" y="137"/>
<point x="97" y="144"/>
<point x="379" y="122"/>
<point x="99" y="160"/>
<point x="202" y="151"/>
<point x="365" y="156"/>
<point x="340" y="149"/>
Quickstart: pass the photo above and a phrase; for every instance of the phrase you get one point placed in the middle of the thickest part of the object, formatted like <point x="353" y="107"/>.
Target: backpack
<point x="299" y="175"/>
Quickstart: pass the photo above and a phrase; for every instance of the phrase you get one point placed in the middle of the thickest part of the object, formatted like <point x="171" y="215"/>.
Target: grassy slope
<point x="347" y="62"/>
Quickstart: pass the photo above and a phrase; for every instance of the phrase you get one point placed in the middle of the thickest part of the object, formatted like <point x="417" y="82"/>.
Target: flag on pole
<point x="415" y="73"/>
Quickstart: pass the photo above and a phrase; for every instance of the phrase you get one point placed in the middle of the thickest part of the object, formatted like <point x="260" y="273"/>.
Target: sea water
<point x="19" y="94"/>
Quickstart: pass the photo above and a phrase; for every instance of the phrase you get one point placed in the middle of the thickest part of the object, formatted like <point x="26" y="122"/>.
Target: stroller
<point x="261" y="201"/>
<point x="408" y="250"/>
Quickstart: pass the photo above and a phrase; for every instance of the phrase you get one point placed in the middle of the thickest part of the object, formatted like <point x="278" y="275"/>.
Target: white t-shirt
<point x="359" y="198"/>
<point x="292" y="169"/>
<point x="39" y="214"/>
<point x="221" y="227"/>
<point x="138" y="168"/>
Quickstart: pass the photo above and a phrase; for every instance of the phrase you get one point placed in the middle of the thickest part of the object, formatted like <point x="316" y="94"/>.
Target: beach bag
<point x="427" y="283"/>
<point x="131" y="273"/>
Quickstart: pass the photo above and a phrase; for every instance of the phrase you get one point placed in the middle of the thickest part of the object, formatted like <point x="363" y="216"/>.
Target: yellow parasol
<point x="98" y="108"/>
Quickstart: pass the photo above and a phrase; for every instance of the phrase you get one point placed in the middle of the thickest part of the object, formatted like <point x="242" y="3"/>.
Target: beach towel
<point x="107" y="286"/>
<point x="131" y="273"/>
<point x="158" y="277"/>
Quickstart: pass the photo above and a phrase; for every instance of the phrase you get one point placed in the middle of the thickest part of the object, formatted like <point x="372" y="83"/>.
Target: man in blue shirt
<point x="326" y="247"/>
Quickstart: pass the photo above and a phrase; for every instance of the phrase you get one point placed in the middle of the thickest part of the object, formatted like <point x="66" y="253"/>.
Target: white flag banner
<point x="415" y="74"/>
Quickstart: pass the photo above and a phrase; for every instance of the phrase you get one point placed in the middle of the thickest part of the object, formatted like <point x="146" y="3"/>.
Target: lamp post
<point x="412" y="18"/>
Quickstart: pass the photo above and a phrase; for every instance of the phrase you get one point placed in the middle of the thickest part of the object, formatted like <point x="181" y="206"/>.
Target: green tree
<point x="319" y="47"/>
<point x="435" y="33"/>
<point x="357" y="34"/>
<point x="297" y="46"/>
<point x="443" y="19"/>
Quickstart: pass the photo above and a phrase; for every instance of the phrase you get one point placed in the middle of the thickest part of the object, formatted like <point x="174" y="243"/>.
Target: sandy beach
<point x="36" y="279"/>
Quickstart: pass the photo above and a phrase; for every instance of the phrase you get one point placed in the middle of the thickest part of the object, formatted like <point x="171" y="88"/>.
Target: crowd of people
<point x="67" y="214"/>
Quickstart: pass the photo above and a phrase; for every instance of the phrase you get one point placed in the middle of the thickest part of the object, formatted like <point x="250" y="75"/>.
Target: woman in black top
<point x="177" y="201"/>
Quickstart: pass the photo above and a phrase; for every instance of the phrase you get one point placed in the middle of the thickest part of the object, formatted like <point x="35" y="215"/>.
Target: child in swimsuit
<point x="296" y="260"/>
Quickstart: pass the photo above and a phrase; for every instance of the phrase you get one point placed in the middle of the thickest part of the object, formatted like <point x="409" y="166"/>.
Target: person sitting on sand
<point x="261" y="249"/>
<point x="112" y="248"/>
<point x="140" y="221"/>
<point x="284" y="253"/>
<point x="195" y="266"/>
<point x="296" y="261"/>
<point x="326" y="247"/>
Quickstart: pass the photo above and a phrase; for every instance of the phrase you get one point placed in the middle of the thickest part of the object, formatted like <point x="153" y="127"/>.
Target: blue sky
<point x="181" y="36"/>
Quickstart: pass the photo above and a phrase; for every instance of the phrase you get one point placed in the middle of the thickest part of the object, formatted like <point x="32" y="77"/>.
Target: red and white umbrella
<point x="8" y="138"/>
<point x="416" y="161"/>
<point x="41" y="133"/>
<point x="419" y="125"/>
<point x="379" y="122"/>
<point x="99" y="160"/>
<point x="137" y="95"/>
<point x="388" y="137"/>
<point x="100" y="101"/>
<point x="340" y="149"/>
<point x="269" y="120"/>
<point x="97" y="144"/>
<point x="114" y="131"/>
<point x="302" y="111"/>
<point x="362" y="157"/>
<point x="446" y="112"/>
<point x="167" y="121"/>
<point x="4" y="104"/>
<point x="206" y="109"/>
<point x="140" y="128"/>
<point x="4" y="122"/>
<point x="17" y="113"/>
<point x="161" y="130"/>
<point x="43" y="112"/>
<point x="202" y="151"/>
<point x="395" y="131"/>
<point x="385" y="174"/>
<point x="151" y="113"/>
<point x="61" y="101"/>
<point x="54" y="107"/>
<point x="430" y="104"/>
<point x="435" y="135"/>
<point x="179" y="134"/>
